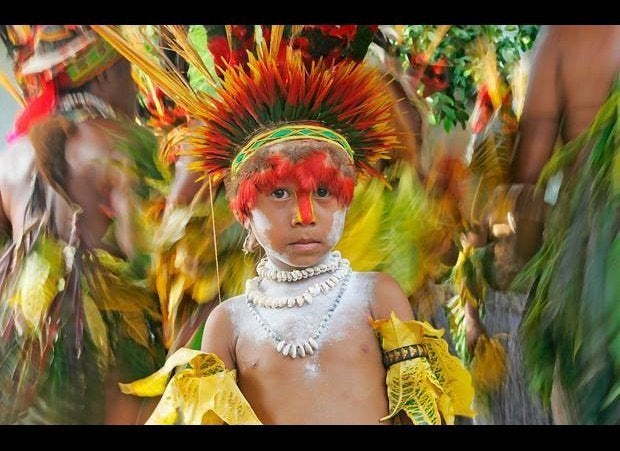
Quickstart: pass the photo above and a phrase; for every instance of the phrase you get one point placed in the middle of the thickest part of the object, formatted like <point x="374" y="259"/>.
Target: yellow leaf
<point x="451" y="375"/>
<point x="134" y="324"/>
<point x="424" y="386"/>
<point x="172" y="226"/>
<point x="114" y="265"/>
<point x="395" y="333"/>
<point x="97" y="329"/>
<point x="205" y="393"/>
<point x="205" y="288"/>
<point x="38" y="282"/>
<point x="411" y="388"/>
<point x="488" y="367"/>
<point x="174" y="299"/>
<point x="155" y="384"/>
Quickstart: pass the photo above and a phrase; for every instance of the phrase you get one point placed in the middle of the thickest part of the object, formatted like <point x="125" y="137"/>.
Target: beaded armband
<point x="404" y="353"/>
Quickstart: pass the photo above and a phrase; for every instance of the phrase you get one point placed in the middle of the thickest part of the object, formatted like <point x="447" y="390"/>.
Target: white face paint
<point x="335" y="232"/>
<point x="276" y="233"/>
<point x="261" y="226"/>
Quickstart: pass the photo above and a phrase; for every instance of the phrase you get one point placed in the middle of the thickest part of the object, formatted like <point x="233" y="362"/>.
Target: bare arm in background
<point x="539" y="124"/>
<point x="538" y="130"/>
<point x="573" y="70"/>
<point x="185" y="184"/>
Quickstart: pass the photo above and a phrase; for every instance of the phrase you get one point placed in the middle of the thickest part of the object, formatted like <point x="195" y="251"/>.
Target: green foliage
<point x="454" y="104"/>
<point x="198" y="37"/>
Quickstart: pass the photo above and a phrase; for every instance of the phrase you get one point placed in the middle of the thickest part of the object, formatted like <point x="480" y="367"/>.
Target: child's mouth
<point x="306" y="245"/>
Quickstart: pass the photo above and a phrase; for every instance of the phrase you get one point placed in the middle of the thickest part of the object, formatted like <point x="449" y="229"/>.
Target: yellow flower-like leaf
<point x="204" y="393"/>
<point x="412" y="387"/>
<point x="430" y="388"/>
<point x="38" y="283"/>
<point x="488" y="367"/>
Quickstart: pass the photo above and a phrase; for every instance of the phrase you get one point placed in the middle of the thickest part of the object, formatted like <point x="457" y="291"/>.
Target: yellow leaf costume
<point x="71" y="314"/>
<point x="205" y="393"/>
<point x="431" y="387"/>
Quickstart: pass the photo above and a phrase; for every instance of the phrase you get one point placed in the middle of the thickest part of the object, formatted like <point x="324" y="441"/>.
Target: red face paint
<point x="307" y="174"/>
<point x="305" y="214"/>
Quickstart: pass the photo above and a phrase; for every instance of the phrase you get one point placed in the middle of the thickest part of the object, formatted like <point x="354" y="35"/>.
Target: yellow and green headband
<point x="289" y="133"/>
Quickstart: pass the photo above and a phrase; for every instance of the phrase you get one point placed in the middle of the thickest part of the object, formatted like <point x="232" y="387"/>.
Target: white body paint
<point x="296" y="324"/>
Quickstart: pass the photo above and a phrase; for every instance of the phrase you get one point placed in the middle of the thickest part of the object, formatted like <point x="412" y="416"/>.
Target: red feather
<point x="37" y="109"/>
<point x="307" y="174"/>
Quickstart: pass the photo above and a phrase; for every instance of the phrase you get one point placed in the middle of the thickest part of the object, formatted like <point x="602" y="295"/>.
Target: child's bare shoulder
<point x="220" y="333"/>
<point x="388" y="297"/>
<point x="226" y="311"/>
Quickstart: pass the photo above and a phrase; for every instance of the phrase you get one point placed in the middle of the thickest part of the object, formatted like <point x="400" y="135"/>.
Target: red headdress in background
<point x="49" y="58"/>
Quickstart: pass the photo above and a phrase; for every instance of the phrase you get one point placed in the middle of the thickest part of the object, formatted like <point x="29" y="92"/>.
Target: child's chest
<point x="300" y="339"/>
<point x="350" y="349"/>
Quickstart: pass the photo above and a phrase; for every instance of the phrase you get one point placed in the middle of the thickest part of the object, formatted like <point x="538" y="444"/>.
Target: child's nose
<point x="304" y="214"/>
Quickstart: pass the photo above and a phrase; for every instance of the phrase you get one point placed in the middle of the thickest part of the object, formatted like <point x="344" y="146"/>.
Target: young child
<point x="300" y="345"/>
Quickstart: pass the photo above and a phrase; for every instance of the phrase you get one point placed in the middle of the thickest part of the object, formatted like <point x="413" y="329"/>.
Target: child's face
<point x="297" y="227"/>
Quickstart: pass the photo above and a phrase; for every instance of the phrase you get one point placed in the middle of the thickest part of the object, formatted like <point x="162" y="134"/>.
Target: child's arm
<point x="218" y="336"/>
<point x="423" y="380"/>
<point x="389" y="297"/>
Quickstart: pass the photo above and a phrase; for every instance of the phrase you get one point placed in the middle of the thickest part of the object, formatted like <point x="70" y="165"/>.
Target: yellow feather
<point x="6" y="83"/>
<point x="167" y="78"/>
<point x="360" y="243"/>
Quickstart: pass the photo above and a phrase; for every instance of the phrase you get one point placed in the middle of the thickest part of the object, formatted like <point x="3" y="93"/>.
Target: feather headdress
<point x="51" y="58"/>
<point x="273" y="90"/>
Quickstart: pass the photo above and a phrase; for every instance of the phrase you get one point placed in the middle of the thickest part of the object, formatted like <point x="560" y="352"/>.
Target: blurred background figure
<point x="467" y="83"/>
<point x="10" y="105"/>
<point x="75" y="315"/>
<point x="569" y="126"/>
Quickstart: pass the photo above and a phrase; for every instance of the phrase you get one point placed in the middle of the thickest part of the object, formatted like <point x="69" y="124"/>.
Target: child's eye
<point x="322" y="192"/>
<point x="280" y="193"/>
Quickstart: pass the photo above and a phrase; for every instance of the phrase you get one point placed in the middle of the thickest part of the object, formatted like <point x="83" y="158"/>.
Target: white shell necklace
<point x="307" y="347"/>
<point x="266" y="270"/>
